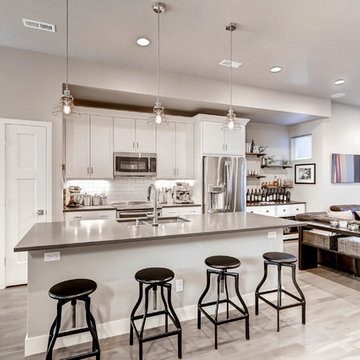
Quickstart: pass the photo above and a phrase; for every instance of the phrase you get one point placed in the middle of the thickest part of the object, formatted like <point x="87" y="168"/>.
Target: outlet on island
<point x="179" y="285"/>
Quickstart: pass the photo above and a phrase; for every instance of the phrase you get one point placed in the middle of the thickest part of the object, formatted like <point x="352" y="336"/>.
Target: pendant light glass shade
<point x="158" y="118"/>
<point x="230" y="122"/>
<point x="66" y="104"/>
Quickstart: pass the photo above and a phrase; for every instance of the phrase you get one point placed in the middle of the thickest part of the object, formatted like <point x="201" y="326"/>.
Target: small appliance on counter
<point x="182" y="193"/>
<point x="75" y="196"/>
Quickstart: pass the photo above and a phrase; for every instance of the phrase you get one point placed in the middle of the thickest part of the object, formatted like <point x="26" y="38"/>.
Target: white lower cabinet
<point x="90" y="215"/>
<point x="268" y="210"/>
<point x="181" y="211"/>
<point x="277" y="210"/>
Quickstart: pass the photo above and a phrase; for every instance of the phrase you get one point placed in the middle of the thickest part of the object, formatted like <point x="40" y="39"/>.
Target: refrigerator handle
<point x="227" y="187"/>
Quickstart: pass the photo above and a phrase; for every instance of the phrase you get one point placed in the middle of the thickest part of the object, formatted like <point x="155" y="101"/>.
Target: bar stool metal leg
<point x="278" y="297"/>
<point x="133" y="312"/>
<point x="217" y="308"/>
<point x="166" y="310"/>
<point x="56" y="331"/>
<point x="227" y="298"/>
<point x="208" y="274"/>
<point x="303" y="310"/>
<point x="259" y="286"/>
<point x="93" y="332"/>
<point x="175" y="320"/>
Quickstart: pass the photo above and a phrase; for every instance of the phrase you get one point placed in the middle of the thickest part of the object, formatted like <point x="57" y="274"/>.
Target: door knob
<point x="39" y="212"/>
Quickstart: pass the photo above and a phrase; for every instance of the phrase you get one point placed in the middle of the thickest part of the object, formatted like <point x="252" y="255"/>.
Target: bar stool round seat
<point x="154" y="275"/>
<point x="280" y="257"/>
<point x="72" y="289"/>
<point x="222" y="262"/>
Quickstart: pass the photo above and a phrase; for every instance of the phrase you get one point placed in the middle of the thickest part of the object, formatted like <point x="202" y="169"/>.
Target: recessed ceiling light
<point x="338" y="95"/>
<point x="339" y="82"/>
<point x="143" y="41"/>
<point x="234" y="64"/>
<point x="276" y="69"/>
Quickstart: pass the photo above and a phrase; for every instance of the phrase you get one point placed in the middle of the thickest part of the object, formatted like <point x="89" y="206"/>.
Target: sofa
<point x="322" y="216"/>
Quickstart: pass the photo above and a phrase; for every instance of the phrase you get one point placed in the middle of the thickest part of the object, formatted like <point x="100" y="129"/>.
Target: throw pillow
<point x="341" y="215"/>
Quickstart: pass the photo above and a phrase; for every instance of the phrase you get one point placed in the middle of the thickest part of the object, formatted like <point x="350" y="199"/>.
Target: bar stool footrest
<point x="82" y="356"/>
<point x="73" y="332"/>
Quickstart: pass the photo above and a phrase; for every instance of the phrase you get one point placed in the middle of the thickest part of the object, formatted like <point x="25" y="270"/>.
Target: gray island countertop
<point x="57" y="235"/>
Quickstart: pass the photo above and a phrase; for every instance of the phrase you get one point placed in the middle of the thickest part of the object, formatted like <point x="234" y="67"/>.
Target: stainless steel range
<point x="134" y="209"/>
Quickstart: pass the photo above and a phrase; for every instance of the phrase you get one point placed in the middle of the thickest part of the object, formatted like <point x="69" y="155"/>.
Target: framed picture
<point x="305" y="174"/>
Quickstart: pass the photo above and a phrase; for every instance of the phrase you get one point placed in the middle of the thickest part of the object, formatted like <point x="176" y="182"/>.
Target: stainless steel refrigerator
<point x="224" y="184"/>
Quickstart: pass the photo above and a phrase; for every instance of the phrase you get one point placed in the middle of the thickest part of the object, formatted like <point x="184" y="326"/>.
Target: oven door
<point x="134" y="164"/>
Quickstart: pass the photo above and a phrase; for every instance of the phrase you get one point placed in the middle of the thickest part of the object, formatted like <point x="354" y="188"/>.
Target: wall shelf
<point x="255" y="154"/>
<point x="276" y="187"/>
<point x="256" y="176"/>
<point x="277" y="166"/>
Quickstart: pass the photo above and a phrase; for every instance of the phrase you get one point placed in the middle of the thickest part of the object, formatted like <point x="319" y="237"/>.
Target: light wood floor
<point x="332" y="330"/>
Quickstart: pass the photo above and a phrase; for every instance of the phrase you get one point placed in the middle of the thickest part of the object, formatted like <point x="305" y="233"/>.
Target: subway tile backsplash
<point x="122" y="189"/>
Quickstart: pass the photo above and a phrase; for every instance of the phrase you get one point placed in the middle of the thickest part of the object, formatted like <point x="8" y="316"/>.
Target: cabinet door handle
<point x="137" y="145"/>
<point x="297" y="209"/>
<point x="267" y="211"/>
<point x="226" y="147"/>
<point x="104" y="216"/>
<point x="91" y="170"/>
<point x="87" y="170"/>
<point x="77" y="217"/>
<point x="133" y="144"/>
<point x="284" y="210"/>
<point x="174" y="171"/>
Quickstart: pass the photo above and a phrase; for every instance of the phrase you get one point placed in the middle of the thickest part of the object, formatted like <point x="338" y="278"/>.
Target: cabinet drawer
<point x="297" y="209"/>
<point x="284" y="210"/>
<point x="268" y="210"/>
<point x="90" y="215"/>
<point x="178" y="211"/>
<point x="253" y="209"/>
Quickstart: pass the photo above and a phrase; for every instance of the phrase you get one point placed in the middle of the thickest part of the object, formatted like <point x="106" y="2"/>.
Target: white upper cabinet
<point x="219" y="141"/>
<point x="101" y="146"/>
<point x="212" y="138"/>
<point x="234" y="141"/>
<point x="78" y="147"/>
<point x="89" y="147"/>
<point x="184" y="152"/>
<point x="175" y="151"/>
<point x="134" y="135"/>
<point x="166" y="151"/>
<point x="124" y="135"/>
<point x="145" y="137"/>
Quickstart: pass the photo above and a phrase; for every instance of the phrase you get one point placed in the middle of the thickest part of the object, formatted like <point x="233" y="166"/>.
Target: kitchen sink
<point x="148" y="221"/>
<point x="172" y="219"/>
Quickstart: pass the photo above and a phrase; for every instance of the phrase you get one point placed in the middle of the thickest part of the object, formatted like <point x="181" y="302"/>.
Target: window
<point x="301" y="147"/>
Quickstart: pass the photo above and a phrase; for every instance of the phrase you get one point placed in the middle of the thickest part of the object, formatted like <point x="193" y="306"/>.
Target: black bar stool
<point x="222" y="264"/>
<point x="72" y="291"/>
<point x="155" y="278"/>
<point x="280" y="259"/>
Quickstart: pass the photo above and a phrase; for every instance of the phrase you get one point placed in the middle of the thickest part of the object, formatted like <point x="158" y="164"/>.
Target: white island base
<point x="113" y="267"/>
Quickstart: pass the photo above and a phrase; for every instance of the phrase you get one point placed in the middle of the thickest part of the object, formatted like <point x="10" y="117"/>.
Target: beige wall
<point x="31" y="86"/>
<point x="338" y="134"/>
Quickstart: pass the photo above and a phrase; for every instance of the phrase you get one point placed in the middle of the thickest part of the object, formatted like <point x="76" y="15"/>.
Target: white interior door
<point x="145" y="137"/>
<point x="25" y="192"/>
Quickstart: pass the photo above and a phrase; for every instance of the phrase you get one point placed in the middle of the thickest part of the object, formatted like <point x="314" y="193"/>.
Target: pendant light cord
<point x="67" y="43"/>
<point x="231" y="30"/>
<point x="158" y="55"/>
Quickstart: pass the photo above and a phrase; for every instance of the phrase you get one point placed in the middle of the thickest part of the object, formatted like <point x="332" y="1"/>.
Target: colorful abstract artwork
<point x="345" y="168"/>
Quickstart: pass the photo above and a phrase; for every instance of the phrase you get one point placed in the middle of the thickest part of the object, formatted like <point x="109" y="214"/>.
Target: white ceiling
<point x="315" y="41"/>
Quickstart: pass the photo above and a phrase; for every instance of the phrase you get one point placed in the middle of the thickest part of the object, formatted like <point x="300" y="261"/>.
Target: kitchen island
<point x="110" y="252"/>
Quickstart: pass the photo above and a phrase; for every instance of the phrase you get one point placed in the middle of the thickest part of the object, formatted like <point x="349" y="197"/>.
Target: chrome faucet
<point x="155" y="215"/>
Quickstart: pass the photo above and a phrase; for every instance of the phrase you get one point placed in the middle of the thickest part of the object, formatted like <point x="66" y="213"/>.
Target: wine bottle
<point x="248" y="196"/>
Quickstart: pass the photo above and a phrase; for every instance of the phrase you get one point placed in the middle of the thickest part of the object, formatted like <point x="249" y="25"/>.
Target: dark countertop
<point x="57" y="235"/>
<point x="276" y="203"/>
<point x="111" y="207"/>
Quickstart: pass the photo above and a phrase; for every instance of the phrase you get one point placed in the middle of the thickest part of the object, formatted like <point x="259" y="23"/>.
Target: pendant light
<point x="158" y="118"/>
<point x="230" y="122"/>
<point x="66" y="105"/>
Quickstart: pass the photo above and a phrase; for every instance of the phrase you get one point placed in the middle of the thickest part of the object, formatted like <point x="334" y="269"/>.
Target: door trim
<point x="48" y="127"/>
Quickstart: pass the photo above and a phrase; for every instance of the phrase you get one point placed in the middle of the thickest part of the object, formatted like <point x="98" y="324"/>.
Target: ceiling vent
<point x="38" y="25"/>
<point x="235" y="64"/>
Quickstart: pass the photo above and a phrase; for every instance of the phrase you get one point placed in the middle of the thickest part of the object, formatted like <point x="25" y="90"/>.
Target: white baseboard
<point x="38" y="344"/>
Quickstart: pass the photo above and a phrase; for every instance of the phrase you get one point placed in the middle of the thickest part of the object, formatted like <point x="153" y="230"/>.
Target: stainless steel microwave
<point x="134" y="164"/>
